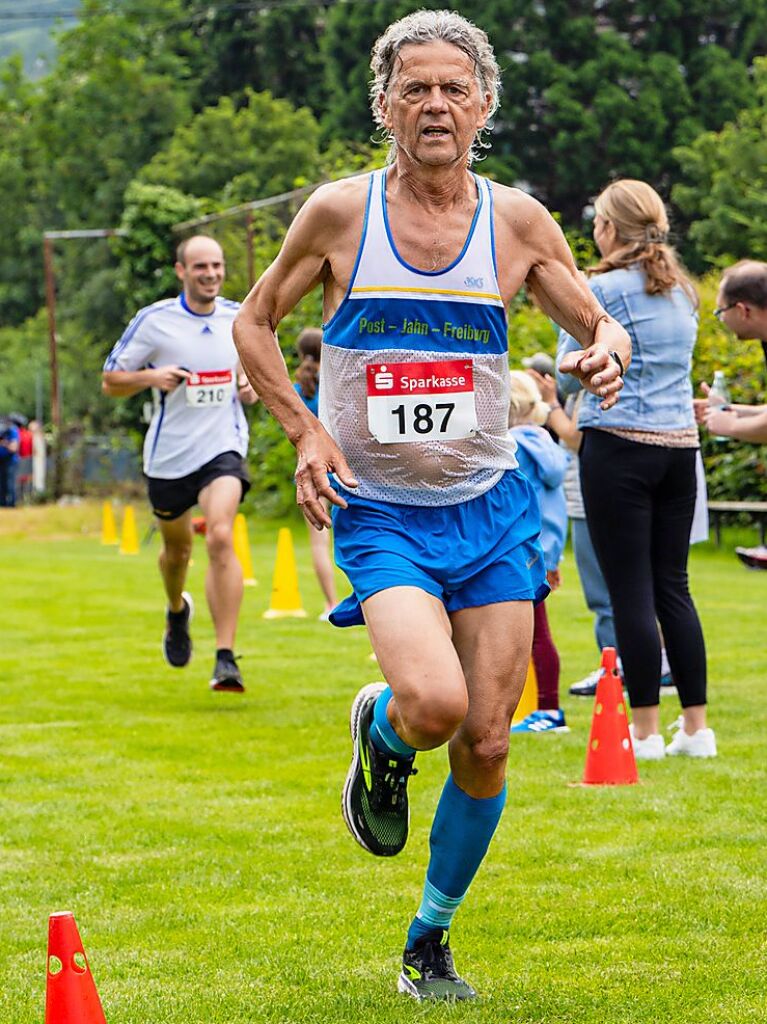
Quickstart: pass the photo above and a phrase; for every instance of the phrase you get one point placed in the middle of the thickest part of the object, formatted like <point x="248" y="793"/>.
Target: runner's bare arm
<point x="245" y="391"/>
<point x="563" y="294"/>
<point x="125" y="383"/>
<point x="303" y="263"/>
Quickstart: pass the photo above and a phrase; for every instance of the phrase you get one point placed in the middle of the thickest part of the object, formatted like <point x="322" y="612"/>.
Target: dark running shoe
<point x="177" y="643"/>
<point x="428" y="971"/>
<point x="226" y="676"/>
<point x="375" y="805"/>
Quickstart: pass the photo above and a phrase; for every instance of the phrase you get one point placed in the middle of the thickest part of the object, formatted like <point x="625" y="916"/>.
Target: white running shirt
<point x="202" y="417"/>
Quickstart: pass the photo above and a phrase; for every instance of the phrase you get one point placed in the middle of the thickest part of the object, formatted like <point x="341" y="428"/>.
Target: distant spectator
<point x="544" y="463"/>
<point x="309" y="345"/>
<point x="24" y="469"/>
<point x="742" y="307"/>
<point x="9" y="461"/>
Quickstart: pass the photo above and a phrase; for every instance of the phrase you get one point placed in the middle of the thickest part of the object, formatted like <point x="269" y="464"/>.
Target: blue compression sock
<point x="460" y="835"/>
<point x="382" y="734"/>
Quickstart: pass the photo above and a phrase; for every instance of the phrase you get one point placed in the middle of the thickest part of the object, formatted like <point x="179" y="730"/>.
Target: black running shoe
<point x="428" y="971"/>
<point x="375" y="803"/>
<point x="226" y="676"/>
<point x="177" y="643"/>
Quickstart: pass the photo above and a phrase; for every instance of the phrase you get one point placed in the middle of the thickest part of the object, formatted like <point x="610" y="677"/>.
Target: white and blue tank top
<point x="414" y="376"/>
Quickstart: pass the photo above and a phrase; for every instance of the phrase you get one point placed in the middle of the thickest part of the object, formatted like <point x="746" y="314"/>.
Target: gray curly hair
<point x="429" y="27"/>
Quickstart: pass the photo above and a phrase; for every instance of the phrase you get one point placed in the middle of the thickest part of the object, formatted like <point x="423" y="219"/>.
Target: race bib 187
<point x="421" y="401"/>
<point x="206" y="389"/>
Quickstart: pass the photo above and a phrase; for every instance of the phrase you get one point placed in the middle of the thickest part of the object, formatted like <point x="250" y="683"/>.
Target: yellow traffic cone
<point x="242" y="549"/>
<point x="528" y="702"/>
<point x="286" y="600"/>
<point x="108" y="527"/>
<point x="129" y="541"/>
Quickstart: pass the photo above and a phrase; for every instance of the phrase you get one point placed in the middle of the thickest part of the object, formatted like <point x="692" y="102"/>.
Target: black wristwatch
<point x="621" y="370"/>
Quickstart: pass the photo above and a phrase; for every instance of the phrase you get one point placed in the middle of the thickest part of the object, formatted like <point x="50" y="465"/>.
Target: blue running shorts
<point x="478" y="552"/>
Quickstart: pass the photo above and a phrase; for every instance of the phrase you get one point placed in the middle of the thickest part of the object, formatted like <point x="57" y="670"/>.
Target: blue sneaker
<point x="667" y="686"/>
<point x="542" y="721"/>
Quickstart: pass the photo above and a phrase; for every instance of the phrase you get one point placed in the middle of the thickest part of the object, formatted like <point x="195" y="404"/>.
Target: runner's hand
<point x="168" y="378"/>
<point x="596" y="371"/>
<point x="318" y="455"/>
<point x="246" y="392"/>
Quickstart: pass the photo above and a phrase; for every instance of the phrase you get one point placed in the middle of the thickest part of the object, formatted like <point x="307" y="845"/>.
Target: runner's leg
<point x="174" y="556"/>
<point x="319" y="541"/>
<point x="219" y="501"/>
<point x="411" y="636"/>
<point x="493" y="643"/>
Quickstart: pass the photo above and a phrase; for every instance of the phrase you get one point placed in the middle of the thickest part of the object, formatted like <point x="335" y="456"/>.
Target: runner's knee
<point x="488" y="748"/>
<point x="176" y="553"/>
<point x="434" y="718"/>
<point x="218" y="538"/>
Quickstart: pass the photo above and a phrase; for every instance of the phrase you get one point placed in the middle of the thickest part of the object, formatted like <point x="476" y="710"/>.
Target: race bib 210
<point x="210" y="388"/>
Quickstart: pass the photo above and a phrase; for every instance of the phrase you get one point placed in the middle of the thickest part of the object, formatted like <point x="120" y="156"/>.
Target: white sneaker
<point x="651" y="748"/>
<point x="701" y="744"/>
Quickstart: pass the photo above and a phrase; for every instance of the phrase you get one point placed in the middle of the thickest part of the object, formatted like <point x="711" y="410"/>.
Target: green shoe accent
<point x="428" y="972"/>
<point x="375" y="804"/>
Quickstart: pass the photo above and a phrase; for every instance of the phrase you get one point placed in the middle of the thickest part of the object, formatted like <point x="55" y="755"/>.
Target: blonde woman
<point x="638" y="466"/>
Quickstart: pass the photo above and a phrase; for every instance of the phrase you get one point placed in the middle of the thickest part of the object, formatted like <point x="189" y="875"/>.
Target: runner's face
<point x="202" y="272"/>
<point x="434" y="107"/>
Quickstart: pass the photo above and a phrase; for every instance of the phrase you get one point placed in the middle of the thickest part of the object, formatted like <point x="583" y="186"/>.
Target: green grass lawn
<point x="199" y="841"/>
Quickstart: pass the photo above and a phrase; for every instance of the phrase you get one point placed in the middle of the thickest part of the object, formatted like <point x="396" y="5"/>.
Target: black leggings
<point x="639" y="501"/>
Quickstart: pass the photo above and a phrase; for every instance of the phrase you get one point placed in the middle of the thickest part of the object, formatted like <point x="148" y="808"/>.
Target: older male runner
<point x="194" y="450"/>
<point x="435" y="527"/>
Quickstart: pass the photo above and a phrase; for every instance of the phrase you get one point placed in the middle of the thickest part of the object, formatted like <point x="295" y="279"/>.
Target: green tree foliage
<point x="264" y="48"/>
<point x="237" y="154"/>
<point x="590" y="92"/>
<point x="20" y="168"/>
<point x="146" y="245"/>
<point x="23" y="357"/>
<point x="724" y="186"/>
<point x="115" y="96"/>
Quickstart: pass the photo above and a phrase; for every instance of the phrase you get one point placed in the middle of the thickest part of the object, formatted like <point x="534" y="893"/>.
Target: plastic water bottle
<point x="719" y="396"/>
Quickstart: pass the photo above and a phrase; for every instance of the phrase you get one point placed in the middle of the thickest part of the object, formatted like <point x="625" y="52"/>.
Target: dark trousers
<point x="7" y="483"/>
<point x="639" y="501"/>
<point x="545" y="660"/>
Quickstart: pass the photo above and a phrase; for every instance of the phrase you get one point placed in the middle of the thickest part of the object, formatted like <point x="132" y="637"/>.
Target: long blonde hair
<point x="637" y="212"/>
<point x="525" y="403"/>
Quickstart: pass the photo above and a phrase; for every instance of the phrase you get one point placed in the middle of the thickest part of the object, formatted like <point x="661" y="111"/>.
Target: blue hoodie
<point x="544" y="463"/>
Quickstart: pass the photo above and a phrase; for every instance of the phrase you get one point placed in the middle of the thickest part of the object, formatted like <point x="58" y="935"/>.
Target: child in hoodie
<point x="544" y="464"/>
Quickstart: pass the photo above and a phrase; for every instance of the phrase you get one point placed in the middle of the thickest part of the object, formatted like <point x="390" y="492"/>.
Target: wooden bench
<point x="756" y="509"/>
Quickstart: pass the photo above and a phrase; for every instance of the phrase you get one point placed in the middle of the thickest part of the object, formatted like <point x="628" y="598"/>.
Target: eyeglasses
<point x="723" y="309"/>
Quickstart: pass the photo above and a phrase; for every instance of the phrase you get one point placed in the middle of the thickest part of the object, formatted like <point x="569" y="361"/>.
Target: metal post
<point x="50" y="301"/>
<point x="249" y="238"/>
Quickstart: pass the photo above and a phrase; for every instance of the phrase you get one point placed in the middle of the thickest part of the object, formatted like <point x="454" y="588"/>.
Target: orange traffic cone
<point x="71" y="996"/>
<point x="610" y="755"/>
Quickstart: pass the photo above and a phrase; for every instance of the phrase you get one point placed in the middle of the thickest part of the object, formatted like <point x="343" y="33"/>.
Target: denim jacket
<point x="657" y="391"/>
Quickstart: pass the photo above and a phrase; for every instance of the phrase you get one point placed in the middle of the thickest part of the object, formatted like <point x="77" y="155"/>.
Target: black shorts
<point x="172" y="498"/>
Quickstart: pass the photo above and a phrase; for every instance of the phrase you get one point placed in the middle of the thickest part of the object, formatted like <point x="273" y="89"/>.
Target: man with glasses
<point x="742" y="307"/>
